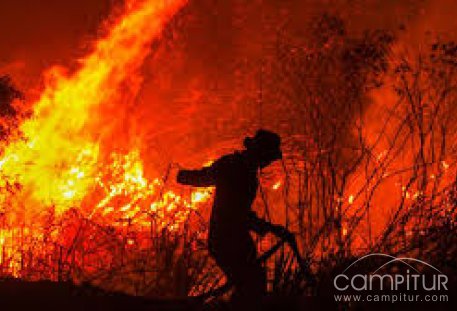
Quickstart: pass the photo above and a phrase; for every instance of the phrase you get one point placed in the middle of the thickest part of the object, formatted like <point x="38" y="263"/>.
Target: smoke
<point x="207" y="75"/>
<point x="211" y="80"/>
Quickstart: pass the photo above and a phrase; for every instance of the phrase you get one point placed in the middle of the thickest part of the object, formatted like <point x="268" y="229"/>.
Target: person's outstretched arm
<point x="204" y="177"/>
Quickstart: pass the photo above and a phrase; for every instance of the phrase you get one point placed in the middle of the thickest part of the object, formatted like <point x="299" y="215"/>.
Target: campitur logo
<point x="382" y="277"/>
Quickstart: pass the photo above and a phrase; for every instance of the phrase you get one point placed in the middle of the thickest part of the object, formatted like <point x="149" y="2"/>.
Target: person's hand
<point x="180" y="176"/>
<point x="174" y="172"/>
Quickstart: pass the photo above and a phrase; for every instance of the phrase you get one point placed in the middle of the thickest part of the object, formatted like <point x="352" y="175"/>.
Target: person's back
<point x="236" y="188"/>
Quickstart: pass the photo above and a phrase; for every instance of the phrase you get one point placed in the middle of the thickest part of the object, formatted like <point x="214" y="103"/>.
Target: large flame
<point x="57" y="163"/>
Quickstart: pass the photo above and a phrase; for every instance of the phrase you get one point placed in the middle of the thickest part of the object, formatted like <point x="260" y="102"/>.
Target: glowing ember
<point x="345" y="231"/>
<point x="277" y="185"/>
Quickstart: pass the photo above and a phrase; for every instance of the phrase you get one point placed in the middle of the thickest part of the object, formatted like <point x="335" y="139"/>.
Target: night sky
<point x="37" y="33"/>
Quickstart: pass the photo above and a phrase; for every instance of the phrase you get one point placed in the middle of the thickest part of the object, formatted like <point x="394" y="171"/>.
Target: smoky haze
<point x="209" y="81"/>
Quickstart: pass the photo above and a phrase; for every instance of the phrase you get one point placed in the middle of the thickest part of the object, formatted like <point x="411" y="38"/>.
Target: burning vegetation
<point x="369" y="158"/>
<point x="57" y="172"/>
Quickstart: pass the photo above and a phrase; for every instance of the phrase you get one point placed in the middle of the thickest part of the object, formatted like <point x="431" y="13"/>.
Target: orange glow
<point x="57" y="161"/>
<point x="277" y="185"/>
<point x="345" y="231"/>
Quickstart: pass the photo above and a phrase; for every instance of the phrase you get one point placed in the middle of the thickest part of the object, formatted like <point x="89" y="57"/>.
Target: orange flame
<point x="57" y="161"/>
<point x="57" y="164"/>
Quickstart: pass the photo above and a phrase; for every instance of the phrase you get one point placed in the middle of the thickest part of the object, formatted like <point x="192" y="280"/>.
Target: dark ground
<point x="17" y="295"/>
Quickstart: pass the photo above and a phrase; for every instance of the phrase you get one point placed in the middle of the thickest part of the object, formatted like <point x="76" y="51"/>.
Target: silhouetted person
<point x="236" y="181"/>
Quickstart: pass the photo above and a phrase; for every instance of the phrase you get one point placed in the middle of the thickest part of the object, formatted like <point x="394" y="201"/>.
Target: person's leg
<point x="250" y="287"/>
<point x="239" y="263"/>
<point x="248" y="276"/>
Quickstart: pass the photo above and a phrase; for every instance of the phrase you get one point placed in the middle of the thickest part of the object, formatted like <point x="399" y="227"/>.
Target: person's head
<point x="264" y="147"/>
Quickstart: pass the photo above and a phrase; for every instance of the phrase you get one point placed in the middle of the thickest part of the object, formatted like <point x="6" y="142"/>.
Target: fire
<point x="276" y="185"/>
<point x="128" y="194"/>
<point x="345" y="231"/>
<point x="57" y="159"/>
<point x="60" y="164"/>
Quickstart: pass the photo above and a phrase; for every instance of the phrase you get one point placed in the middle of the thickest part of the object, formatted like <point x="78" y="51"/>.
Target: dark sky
<point x="35" y="34"/>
